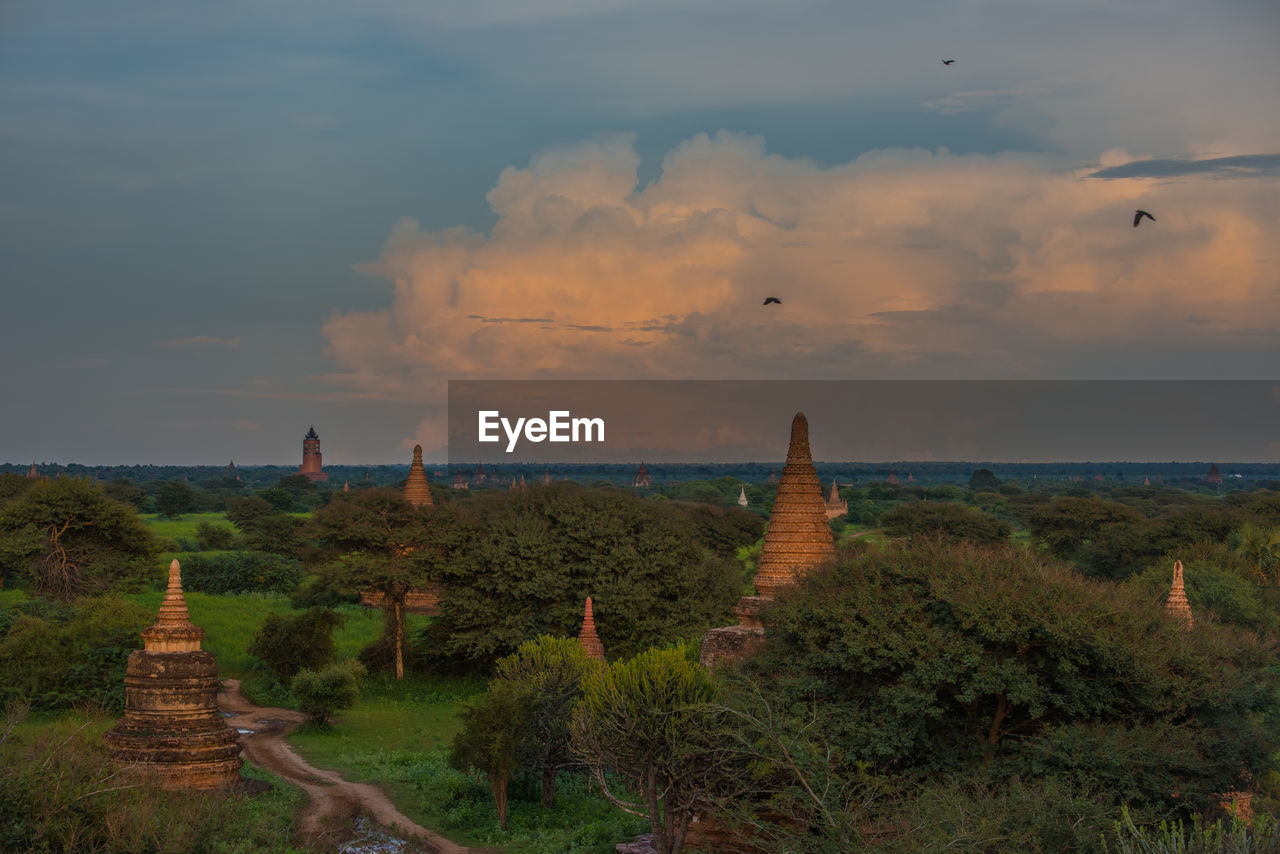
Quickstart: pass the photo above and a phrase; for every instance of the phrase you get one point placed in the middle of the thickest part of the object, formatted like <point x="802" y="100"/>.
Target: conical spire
<point x="588" y="638"/>
<point x="742" y="496"/>
<point x="173" y="630"/>
<point x="798" y="538"/>
<point x="835" y="493"/>
<point x="1177" y="605"/>
<point x="416" y="489"/>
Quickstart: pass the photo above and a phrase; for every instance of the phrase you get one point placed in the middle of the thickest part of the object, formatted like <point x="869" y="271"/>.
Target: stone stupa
<point x="590" y="641"/>
<point x="416" y="489"/>
<point x="797" y="541"/>
<point x="171" y="724"/>
<point x="1177" y="604"/>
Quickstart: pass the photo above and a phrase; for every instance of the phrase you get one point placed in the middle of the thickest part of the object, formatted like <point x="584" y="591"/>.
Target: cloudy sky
<point x="222" y="223"/>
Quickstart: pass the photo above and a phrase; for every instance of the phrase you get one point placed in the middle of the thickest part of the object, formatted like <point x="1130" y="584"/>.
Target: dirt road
<point x="333" y="800"/>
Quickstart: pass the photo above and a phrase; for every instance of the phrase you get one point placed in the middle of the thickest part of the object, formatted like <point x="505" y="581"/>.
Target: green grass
<point x="230" y="622"/>
<point x="183" y="527"/>
<point x="398" y="736"/>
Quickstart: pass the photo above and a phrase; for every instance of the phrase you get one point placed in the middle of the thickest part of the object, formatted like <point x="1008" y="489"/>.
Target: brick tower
<point x="587" y="637"/>
<point x="311" y="463"/>
<point x="416" y="489"/>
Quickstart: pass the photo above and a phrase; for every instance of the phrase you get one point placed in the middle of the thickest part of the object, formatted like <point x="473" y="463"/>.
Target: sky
<point x="221" y="224"/>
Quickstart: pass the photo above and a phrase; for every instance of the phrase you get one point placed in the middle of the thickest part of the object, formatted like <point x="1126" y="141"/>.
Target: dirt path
<point x="333" y="800"/>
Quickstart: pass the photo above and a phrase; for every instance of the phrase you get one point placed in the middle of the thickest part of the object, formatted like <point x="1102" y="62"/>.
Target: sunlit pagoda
<point x="590" y="641"/>
<point x="171" y="724"/>
<point x="416" y="489"/>
<point x="1177" y="604"/>
<point x="312" y="467"/>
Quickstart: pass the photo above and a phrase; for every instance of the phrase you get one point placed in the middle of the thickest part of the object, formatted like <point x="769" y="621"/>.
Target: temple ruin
<point x="171" y="725"/>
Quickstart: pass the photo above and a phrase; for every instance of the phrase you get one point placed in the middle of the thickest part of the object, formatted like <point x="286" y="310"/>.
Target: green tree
<point x="175" y="497"/>
<point x="263" y="528"/>
<point x="551" y="670"/>
<point x="281" y="500"/>
<point x="288" y="644"/>
<point x="983" y="480"/>
<point x="1260" y="546"/>
<point x="940" y="658"/>
<point x="953" y="521"/>
<point x="1066" y="525"/>
<point x="494" y="737"/>
<point x="647" y="720"/>
<point x="376" y="540"/>
<point x="320" y="693"/>
<point x="531" y="558"/>
<point x="73" y="539"/>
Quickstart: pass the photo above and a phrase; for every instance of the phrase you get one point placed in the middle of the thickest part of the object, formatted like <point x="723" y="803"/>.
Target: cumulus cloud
<point x="901" y="263"/>
<point x="199" y="342"/>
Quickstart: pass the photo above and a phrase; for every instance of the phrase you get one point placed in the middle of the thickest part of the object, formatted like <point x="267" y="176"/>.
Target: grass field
<point x="230" y="622"/>
<point x="398" y="737"/>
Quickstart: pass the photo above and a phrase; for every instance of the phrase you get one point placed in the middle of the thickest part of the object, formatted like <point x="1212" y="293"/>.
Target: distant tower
<point x="479" y="477"/>
<point x="642" y="478"/>
<point x="33" y="473"/>
<point x="546" y="475"/>
<point x="311" y="465"/>
<point x="416" y="489"/>
<point x="1215" y="476"/>
<point x="588" y="638"/>
<point x="742" y="496"/>
<point x="346" y="486"/>
<point x="171" y="723"/>
<point x="1146" y="481"/>
<point x="1177" y="604"/>
<point x="836" y="507"/>
<point x="892" y="479"/>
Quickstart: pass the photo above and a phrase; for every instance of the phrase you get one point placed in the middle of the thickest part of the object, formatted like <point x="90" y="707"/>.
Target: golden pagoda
<point x="171" y="723"/>
<point x="416" y="489"/>
<point x="588" y="638"/>
<point x="1177" y="604"/>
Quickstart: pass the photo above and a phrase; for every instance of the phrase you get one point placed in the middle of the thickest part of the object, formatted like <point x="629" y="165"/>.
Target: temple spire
<point x="798" y="538"/>
<point x="588" y="638"/>
<point x="173" y="630"/>
<point x="1177" y="605"/>
<point x="416" y="489"/>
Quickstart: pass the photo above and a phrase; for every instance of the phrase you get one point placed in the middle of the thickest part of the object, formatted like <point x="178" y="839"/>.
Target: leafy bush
<point x="320" y="693"/>
<point x="55" y="657"/>
<point x="240" y="572"/>
<point x="1219" y="837"/>
<point x="213" y="537"/>
<point x="953" y="521"/>
<point x="288" y="644"/>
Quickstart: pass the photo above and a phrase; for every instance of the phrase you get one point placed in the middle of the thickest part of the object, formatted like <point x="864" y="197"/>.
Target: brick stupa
<point x="797" y="541"/>
<point x="171" y="724"/>
<point x="416" y="489"/>
<point x="588" y="638"/>
<point x="1177" y="604"/>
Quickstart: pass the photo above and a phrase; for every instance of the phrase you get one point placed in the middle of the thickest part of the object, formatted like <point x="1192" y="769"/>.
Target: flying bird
<point x="768" y="300"/>
<point x="1138" y="215"/>
<point x="947" y="61"/>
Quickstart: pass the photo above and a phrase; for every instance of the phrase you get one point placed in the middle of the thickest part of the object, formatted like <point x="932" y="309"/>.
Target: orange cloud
<point x="897" y="264"/>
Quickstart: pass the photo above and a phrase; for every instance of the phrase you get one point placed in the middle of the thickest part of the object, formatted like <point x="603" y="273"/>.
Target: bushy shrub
<point x="320" y="693"/>
<point x="55" y="657"/>
<point x="213" y="537"/>
<point x="288" y="644"/>
<point x="241" y="572"/>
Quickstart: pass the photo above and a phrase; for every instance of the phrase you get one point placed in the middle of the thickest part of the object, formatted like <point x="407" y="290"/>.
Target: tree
<point x="376" y="540"/>
<point x="264" y="528"/>
<point x="983" y="480"/>
<point x="531" y="557"/>
<point x="320" y="693"/>
<point x="953" y="521"/>
<point x="550" y="669"/>
<point x="937" y="658"/>
<point x="281" y="500"/>
<point x="494" y="738"/>
<point x="1260" y="547"/>
<point x="1065" y="525"/>
<point x="647" y="720"/>
<point x="73" y="539"/>
<point x="288" y="644"/>
<point x="175" y="497"/>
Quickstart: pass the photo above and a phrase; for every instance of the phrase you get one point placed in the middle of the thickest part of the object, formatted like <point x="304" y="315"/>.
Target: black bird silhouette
<point x="1138" y="215"/>
<point x="947" y="61"/>
<point x="768" y="300"/>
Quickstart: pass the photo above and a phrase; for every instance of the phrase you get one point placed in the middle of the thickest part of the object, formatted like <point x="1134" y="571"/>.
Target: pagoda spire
<point x="416" y="489"/>
<point x="173" y="630"/>
<point x="1177" y="604"/>
<point x="798" y="538"/>
<point x="588" y="638"/>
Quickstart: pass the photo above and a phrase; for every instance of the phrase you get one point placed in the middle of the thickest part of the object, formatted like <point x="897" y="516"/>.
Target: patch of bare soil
<point x="334" y="803"/>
